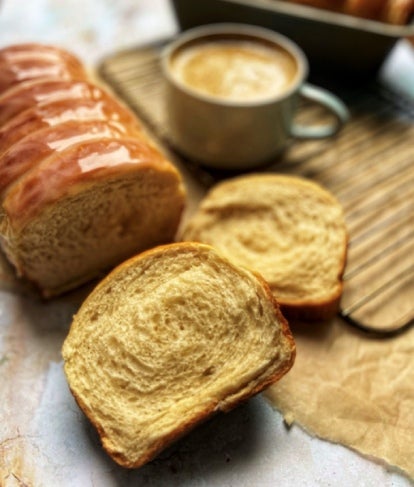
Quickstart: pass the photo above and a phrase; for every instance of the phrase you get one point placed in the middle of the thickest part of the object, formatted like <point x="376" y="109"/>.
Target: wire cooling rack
<point x="369" y="167"/>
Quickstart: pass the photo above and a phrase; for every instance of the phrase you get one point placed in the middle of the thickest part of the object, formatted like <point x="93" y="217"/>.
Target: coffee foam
<point x="235" y="70"/>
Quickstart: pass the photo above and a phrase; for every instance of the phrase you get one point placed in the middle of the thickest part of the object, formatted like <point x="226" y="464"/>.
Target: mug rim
<point x="262" y="33"/>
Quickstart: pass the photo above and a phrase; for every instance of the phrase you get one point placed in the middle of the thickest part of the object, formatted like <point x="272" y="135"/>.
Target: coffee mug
<point x="231" y="95"/>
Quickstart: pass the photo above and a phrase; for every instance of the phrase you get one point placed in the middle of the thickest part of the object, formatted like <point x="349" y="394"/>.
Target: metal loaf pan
<point x="335" y="43"/>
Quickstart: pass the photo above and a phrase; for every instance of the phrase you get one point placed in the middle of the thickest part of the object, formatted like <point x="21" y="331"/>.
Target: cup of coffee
<point x="232" y="93"/>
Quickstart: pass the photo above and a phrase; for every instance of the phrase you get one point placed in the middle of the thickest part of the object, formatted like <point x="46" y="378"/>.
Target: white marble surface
<point x="90" y="28"/>
<point x="44" y="438"/>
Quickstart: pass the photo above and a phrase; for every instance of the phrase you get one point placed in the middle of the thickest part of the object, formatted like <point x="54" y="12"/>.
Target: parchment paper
<point x="353" y="390"/>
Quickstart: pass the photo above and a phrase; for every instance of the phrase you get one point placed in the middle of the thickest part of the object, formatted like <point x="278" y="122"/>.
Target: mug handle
<point x="329" y="101"/>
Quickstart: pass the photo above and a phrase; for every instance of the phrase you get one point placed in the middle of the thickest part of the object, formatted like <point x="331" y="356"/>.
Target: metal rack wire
<point x="369" y="167"/>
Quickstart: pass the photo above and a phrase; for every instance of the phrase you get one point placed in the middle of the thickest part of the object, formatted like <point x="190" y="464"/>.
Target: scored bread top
<point x="82" y="184"/>
<point x="167" y="339"/>
<point x="28" y="62"/>
<point x="397" y="12"/>
<point x="42" y="92"/>
<point x="36" y="146"/>
<point x="289" y="229"/>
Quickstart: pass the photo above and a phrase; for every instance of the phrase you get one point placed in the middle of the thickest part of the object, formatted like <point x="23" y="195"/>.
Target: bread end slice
<point x="168" y="339"/>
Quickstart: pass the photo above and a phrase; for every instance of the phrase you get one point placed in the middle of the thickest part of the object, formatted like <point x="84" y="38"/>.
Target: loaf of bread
<point x="289" y="229"/>
<point x="167" y="339"/>
<point x="397" y="12"/>
<point x="82" y="186"/>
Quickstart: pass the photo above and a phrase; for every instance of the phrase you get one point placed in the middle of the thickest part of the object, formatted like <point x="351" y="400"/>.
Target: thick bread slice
<point x="289" y="229"/>
<point x="169" y="338"/>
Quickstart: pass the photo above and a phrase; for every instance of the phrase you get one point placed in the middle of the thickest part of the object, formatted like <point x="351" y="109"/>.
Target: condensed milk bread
<point x="166" y="340"/>
<point x="82" y="186"/>
<point x="289" y="229"/>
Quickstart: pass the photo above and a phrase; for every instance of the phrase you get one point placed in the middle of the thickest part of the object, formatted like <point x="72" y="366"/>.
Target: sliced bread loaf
<point x="289" y="229"/>
<point x="82" y="185"/>
<point x="166" y="340"/>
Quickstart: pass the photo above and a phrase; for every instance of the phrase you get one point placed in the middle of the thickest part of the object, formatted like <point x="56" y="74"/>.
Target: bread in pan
<point x="32" y="61"/>
<point x="51" y="114"/>
<point x="83" y="210"/>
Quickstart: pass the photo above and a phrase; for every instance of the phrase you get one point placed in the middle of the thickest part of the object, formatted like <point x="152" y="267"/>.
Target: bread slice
<point x="51" y="114"/>
<point x="289" y="229"/>
<point x="169" y="338"/>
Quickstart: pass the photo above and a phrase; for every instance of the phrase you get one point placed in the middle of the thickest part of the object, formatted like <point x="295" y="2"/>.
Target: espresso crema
<point x="235" y="70"/>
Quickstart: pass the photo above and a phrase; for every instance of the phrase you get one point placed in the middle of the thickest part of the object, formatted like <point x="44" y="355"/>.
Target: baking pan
<point x="335" y="43"/>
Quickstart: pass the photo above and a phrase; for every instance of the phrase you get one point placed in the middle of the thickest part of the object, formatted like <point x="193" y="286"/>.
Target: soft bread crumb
<point x="168" y="339"/>
<point x="289" y="229"/>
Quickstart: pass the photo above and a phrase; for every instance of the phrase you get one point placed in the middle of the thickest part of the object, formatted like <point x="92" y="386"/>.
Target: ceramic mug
<point x="232" y="92"/>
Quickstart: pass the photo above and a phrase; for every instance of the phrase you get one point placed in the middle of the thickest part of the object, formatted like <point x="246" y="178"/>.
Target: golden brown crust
<point x="398" y="12"/>
<point x="25" y="62"/>
<point x="63" y="138"/>
<point x="313" y="311"/>
<point x="83" y="109"/>
<point x="290" y="229"/>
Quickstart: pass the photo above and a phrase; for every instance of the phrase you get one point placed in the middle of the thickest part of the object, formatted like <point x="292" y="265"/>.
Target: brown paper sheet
<point x="352" y="389"/>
